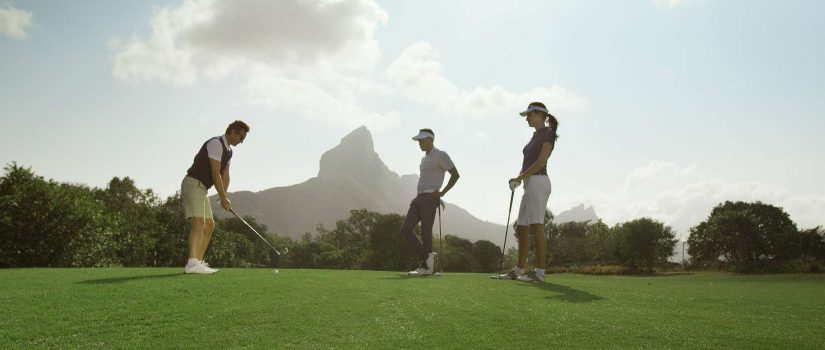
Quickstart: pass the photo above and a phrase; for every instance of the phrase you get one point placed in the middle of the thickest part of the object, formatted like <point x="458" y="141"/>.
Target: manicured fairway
<point x="322" y="309"/>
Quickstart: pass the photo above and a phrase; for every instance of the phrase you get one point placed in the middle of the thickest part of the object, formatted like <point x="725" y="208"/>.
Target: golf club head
<point x="438" y="274"/>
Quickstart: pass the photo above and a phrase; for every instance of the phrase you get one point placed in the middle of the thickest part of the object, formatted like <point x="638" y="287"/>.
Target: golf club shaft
<point x="256" y="232"/>
<point x="506" y="230"/>
<point x="440" y="241"/>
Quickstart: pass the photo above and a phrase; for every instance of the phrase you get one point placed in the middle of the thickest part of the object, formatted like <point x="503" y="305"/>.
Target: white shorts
<point x="534" y="200"/>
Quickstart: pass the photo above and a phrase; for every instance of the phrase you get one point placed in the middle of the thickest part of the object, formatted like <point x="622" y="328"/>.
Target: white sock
<point x="518" y="270"/>
<point x="540" y="272"/>
<point x="192" y="262"/>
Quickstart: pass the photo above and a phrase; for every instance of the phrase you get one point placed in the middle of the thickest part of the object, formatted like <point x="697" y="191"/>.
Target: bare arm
<point x="225" y="176"/>
<point x="453" y="179"/>
<point x="217" y="179"/>
<point x="546" y="149"/>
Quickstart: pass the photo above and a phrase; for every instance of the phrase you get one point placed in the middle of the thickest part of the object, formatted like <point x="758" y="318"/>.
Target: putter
<point x="506" y="229"/>
<point x="286" y="250"/>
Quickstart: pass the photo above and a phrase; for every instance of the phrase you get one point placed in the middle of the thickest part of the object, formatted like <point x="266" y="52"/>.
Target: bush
<point x="48" y="224"/>
<point x="644" y="243"/>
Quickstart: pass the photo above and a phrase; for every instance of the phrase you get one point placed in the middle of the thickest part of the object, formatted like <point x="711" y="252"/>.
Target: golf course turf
<point x="326" y="309"/>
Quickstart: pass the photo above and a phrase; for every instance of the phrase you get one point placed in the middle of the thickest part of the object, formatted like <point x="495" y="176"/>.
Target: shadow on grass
<point x="129" y="278"/>
<point x="565" y="293"/>
<point x="659" y="274"/>
<point x="404" y="276"/>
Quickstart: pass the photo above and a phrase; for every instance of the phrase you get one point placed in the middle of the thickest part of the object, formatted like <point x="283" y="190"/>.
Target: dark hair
<point x="237" y="126"/>
<point x="551" y="119"/>
<point x="428" y="130"/>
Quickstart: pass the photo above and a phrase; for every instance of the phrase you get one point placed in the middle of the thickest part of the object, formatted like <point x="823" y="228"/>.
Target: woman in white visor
<point x="536" y="192"/>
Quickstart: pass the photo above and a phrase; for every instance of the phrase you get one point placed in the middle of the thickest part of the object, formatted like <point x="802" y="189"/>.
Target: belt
<point x="426" y="191"/>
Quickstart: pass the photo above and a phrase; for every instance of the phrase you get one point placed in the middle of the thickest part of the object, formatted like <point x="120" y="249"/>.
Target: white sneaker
<point x="422" y="270"/>
<point x="510" y="275"/>
<point x="430" y="261"/>
<point x="198" y="269"/>
<point x="206" y="265"/>
<point x="531" y="277"/>
<point x="419" y="272"/>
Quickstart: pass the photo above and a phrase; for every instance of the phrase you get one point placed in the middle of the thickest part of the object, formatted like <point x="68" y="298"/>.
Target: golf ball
<point x="275" y="271"/>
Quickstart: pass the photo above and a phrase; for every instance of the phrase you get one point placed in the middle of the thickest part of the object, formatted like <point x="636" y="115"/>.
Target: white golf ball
<point x="275" y="270"/>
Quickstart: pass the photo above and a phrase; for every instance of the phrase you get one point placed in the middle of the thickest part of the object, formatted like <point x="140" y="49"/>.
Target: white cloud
<point x="687" y="197"/>
<point x="648" y="172"/>
<point x="14" y="22"/>
<point x="687" y="206"/>
<point x="305" y="97"/>
<point x="311" y="58"/>
<point x="212" y="38"/>
<point x="163" y="56"/>
<point x="292" y="32"/>
<point x="419" y="76"/>
<point x="668" y="3"/>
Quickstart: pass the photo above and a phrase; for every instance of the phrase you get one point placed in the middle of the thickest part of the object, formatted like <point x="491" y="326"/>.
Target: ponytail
<point x="554" y="124"/>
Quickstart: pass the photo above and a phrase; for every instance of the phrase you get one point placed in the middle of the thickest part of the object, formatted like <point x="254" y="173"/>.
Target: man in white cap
<point x="423" y="208"/>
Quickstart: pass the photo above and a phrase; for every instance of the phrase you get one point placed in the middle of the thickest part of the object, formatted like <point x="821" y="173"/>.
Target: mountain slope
<point x="351" y="176"/>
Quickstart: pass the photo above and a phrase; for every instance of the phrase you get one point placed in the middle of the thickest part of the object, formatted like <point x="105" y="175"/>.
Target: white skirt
<point x="534" y="200"/>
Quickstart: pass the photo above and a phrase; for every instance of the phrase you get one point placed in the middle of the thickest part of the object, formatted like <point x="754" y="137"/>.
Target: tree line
<point x="44" y="223"/>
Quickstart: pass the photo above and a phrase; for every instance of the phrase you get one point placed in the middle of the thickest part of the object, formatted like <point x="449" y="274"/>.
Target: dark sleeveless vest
<point x="200" y="168"/>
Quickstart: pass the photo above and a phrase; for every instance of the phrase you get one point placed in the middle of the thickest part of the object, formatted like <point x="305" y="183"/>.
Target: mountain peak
<point x="579" y="213"/>
<point x="360" y="138"/>
<point x="353" y="157"/>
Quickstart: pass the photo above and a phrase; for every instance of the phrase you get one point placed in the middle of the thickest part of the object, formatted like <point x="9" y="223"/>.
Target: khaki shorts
<point x="193" y="198"/>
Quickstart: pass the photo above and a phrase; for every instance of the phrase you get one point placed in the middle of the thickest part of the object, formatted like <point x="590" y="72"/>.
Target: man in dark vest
<point x="210" y="167"/>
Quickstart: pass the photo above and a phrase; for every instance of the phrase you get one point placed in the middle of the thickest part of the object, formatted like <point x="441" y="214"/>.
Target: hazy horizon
<point x="666" y="108"/>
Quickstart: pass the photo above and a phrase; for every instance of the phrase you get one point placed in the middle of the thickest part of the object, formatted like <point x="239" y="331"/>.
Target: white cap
<point x="423" y="135"/>
<point x="534" y="108"/>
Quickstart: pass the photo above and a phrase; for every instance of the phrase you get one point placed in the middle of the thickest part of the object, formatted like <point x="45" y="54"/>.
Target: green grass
<point x="320" y="309"/>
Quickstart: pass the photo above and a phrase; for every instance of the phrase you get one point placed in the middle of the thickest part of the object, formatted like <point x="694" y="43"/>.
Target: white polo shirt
<point x="214" y="148"/>
<point x="433" y="166"/>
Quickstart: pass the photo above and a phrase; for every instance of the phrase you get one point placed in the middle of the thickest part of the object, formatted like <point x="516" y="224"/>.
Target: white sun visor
<point x="533" y="108"/>
<point x="423" y="135"/>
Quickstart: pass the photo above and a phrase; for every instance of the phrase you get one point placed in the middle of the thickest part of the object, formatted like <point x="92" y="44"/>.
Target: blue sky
<point x="666" y="107"/>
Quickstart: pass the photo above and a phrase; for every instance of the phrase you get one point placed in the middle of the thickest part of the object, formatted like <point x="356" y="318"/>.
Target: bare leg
<point x="209" y="226"/>
<point x="537" y="231"/>
<point x="195" y="232"/>
<point x="523" y="233"/>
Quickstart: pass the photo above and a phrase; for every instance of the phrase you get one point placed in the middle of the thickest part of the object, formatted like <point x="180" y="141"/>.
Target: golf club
<point x="506" y="229"/>
<point x="441" y="246"/>
<point x="286" y="250"/>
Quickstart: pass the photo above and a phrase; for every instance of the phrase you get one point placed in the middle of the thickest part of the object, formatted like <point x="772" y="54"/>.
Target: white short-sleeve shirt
<point x="214" y="148"/>
<point x="433" y="166"/>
